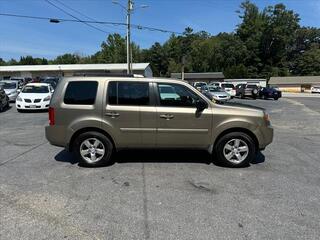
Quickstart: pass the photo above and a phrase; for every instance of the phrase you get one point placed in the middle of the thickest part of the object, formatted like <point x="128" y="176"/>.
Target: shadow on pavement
<point x="155" y="156"/>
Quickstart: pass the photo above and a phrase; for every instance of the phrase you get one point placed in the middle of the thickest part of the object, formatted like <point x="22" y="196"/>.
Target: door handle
<point x="112" y="114"/>
<point x="166" y="116"/>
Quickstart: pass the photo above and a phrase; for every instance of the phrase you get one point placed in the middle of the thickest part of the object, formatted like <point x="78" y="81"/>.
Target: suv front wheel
<point x="93" y="149"/>
<point x="235" y="149"/>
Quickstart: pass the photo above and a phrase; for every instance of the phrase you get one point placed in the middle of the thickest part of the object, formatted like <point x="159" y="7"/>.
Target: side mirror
<point x="52" y="90"/>
<point x="201" y="105"/>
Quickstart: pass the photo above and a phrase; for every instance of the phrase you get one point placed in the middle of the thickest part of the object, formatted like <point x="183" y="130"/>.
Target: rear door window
<point x="128" y="93"/>
<point x="81" y="93"/>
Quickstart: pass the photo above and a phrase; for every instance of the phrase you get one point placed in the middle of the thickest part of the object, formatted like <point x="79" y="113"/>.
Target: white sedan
<point x="34" y="96"/>
<point x="315" y="89"/>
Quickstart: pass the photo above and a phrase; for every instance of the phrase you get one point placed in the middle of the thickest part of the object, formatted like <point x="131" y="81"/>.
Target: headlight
<point x="19" y="99"/>
<point x="47" y="98"/>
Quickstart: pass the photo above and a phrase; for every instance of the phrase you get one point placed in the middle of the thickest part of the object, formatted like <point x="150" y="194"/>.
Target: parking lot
<point x="44" y="194"/>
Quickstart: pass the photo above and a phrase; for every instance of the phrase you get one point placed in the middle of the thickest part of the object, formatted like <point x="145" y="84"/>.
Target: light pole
<point x="129" y="9"/>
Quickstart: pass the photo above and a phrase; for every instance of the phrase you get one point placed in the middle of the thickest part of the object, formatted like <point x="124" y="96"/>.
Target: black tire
<point x="276" y="98"/>
<point x="254" y="97"/>
<point x="19" y="110"/>
<point x="105" y="141"/>
<point x="222" y="142"/>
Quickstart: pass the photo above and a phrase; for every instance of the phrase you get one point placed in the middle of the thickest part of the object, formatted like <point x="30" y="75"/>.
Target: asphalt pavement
<point x="44" y="194"/>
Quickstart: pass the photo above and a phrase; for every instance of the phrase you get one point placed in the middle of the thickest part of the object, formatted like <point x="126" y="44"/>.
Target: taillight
<point x="51" y="116"/>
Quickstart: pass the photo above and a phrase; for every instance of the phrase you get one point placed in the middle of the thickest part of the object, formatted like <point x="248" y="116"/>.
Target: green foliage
<point x="267" y="42"/>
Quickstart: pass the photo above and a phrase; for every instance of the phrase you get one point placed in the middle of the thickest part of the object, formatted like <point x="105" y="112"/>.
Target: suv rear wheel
<point x="93" y="149"/>
<point x="235" y="149"/>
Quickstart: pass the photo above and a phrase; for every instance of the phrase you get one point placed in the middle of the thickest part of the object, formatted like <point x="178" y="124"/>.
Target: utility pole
<point x="183" y="61"/>
<point x="129" y="9"/>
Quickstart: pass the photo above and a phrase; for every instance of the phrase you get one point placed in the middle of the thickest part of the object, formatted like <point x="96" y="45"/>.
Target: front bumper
<point x="32" y="106"/>
<point x="232" y="93"/>
<point x="12" y="97"/>
<point x="265" y="137"/>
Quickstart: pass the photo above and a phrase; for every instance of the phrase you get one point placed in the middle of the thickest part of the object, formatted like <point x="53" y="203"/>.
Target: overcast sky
<point x="43" y="39"/>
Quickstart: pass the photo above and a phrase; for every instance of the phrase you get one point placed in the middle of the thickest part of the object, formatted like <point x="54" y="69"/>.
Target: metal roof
<point x="205" y="75"/>
<point x="72" y="67"/>
<point x="295" y="80"/>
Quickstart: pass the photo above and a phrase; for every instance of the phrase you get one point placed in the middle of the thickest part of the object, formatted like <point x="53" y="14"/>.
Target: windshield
<point x="200" y="84"/>
<point x="215" y="89"/>
<point x="35" y="89"/>
<point x="227" y="85"/>
<point x="7" y="85"/>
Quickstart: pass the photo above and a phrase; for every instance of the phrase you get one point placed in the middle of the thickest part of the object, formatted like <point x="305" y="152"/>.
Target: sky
<point x="21" y="37"/>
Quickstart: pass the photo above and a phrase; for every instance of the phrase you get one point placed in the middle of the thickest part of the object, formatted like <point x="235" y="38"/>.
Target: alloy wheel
<point x="92" y="150"/>
<point x="236" y="150"/>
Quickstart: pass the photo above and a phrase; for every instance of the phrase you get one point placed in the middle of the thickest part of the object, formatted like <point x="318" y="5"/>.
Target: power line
<point x="140" y="27"/>
<point x="89" y="25"/>
<point x="74" y="10"/>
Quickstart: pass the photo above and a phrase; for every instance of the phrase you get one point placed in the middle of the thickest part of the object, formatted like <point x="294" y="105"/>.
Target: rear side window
<point x="128" y="93"/>
<point x="81" y="93"/>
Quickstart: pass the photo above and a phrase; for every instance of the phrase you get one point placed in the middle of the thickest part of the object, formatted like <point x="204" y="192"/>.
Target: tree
<point x="67" y="58"/>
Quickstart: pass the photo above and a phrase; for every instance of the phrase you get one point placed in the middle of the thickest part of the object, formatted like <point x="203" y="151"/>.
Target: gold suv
<point x="95" y="116"/>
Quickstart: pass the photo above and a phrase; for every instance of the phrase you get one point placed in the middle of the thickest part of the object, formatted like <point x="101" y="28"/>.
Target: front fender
<point x="236" y="124"/>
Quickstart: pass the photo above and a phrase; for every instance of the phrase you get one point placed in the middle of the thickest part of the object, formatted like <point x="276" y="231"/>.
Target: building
<point x="34" y="71"/>
<point x="258" y="81"/>
<point x="200" y="77"/>
<point x="295" y="84"/>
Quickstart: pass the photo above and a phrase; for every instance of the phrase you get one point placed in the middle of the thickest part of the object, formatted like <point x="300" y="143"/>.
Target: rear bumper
<point x="57" y="136"/>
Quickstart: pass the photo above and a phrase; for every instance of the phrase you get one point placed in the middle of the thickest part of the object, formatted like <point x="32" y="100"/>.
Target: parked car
<point x="228" y="87"/>
<point x="215" y="93"/>
<point x="11" y="88"/>
<point x="247" y="90"/>
<point x="4" y="100"/>
<point x="34" y="96"/>
<point x="20" y="80"/>
<point x="51" y="80"/>
<point x="93" y="117"/>
<point x="269" y="92"/>
<point x="198" y="85"/>
<point x="315" y="89"/>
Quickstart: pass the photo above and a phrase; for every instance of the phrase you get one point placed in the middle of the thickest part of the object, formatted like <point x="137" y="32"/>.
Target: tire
<point x="228" y="141"/>
<point x="254" y="97"/>
<point x="275" y="98"/>
<point x="86" y="142"/>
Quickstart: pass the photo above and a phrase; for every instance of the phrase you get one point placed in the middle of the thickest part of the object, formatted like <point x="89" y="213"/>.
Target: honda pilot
<point x="96" y="116"/>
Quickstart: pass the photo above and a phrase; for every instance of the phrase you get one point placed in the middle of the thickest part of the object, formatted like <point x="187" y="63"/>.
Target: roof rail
<point x="102" y="75"/>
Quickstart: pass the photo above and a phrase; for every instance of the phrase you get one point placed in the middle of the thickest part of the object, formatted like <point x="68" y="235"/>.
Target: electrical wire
<point x="140" y="27"/>
<point x="76" y="11"/>
<point x="89" y="25"/>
